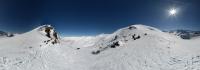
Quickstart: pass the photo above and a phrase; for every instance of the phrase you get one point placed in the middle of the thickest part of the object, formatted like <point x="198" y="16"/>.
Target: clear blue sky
<point x="92" y="17"/>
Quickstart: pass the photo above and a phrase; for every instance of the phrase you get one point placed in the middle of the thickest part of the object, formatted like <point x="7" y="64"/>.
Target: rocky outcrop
<point x="49" y="32"/>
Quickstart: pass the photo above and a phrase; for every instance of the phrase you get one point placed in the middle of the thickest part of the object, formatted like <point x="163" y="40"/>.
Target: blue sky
<point x="92" y="17"/>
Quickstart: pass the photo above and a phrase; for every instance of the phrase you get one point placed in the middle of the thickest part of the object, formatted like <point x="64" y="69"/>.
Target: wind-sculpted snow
<point x="136" y="47"/>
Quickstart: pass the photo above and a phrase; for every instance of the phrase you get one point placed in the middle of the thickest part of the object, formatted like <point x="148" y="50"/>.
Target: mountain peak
<point x="143" y="27"/>
<point x="48" y="31"/>
<point x="137" y="29"/>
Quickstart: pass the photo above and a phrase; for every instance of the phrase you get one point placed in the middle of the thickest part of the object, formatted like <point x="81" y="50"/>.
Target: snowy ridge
<point x="136" y="47"/>
<point x="131" y="33"/>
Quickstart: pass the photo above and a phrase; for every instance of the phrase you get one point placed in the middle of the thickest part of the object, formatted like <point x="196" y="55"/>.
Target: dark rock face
<point x="48" y="30"/>
<point x="131" y="27"/>
<point x="115" y="44"/>
<point x="51" y="33"/>
<point x="134" y="37"/>
<point x="10" y="35"/>
<point x="96" y="52"/>
<point x="55" y="36"/>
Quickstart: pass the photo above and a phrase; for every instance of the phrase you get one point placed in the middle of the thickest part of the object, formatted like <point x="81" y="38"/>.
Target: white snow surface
<point x="136" y="47"/>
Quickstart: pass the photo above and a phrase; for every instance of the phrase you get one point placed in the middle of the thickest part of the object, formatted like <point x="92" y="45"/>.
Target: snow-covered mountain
<point x="5" y="34"/>
<point x="185" y="34"/>
<point x="136" y="47"/>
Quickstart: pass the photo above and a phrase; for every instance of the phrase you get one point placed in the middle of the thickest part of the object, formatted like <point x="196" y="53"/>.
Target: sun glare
<point x="172" y="11"/>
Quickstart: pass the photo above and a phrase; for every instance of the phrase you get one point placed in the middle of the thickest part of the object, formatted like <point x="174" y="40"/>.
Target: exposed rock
<point x="50" y="33"/>
<point x="115" y="44"/>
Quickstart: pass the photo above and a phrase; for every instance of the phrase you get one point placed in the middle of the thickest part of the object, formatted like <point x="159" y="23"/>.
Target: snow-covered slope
<point x="21" y="49"/>
<point x="83" y="41"/>
<point x="136" y="47"/>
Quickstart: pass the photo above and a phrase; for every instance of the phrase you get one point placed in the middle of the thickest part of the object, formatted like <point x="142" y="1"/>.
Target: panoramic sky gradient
<point x="92" y="17"/>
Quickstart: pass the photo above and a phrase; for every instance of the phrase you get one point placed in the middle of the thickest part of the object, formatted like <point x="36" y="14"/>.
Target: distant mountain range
<point x="185" y="34"/>
<point x="6" y="34"/>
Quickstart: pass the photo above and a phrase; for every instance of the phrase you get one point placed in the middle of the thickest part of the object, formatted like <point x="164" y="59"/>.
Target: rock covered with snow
<point x="130" y="33"/>
<point x="50" y="32"/>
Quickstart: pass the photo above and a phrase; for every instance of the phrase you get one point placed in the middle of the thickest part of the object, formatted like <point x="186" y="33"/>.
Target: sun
<point x="172" y="11"/>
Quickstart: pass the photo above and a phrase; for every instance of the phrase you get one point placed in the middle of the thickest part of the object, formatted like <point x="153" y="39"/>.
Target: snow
<point x="83" y="41"/>
<point x="136" y="47"/>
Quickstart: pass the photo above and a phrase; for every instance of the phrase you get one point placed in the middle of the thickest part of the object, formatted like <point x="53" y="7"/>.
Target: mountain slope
<point x="21" y="49"/>
<point x="136" y="47"/>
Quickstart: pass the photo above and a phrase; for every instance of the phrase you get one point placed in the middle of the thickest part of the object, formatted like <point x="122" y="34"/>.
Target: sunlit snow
<point x="136" y="47"/>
